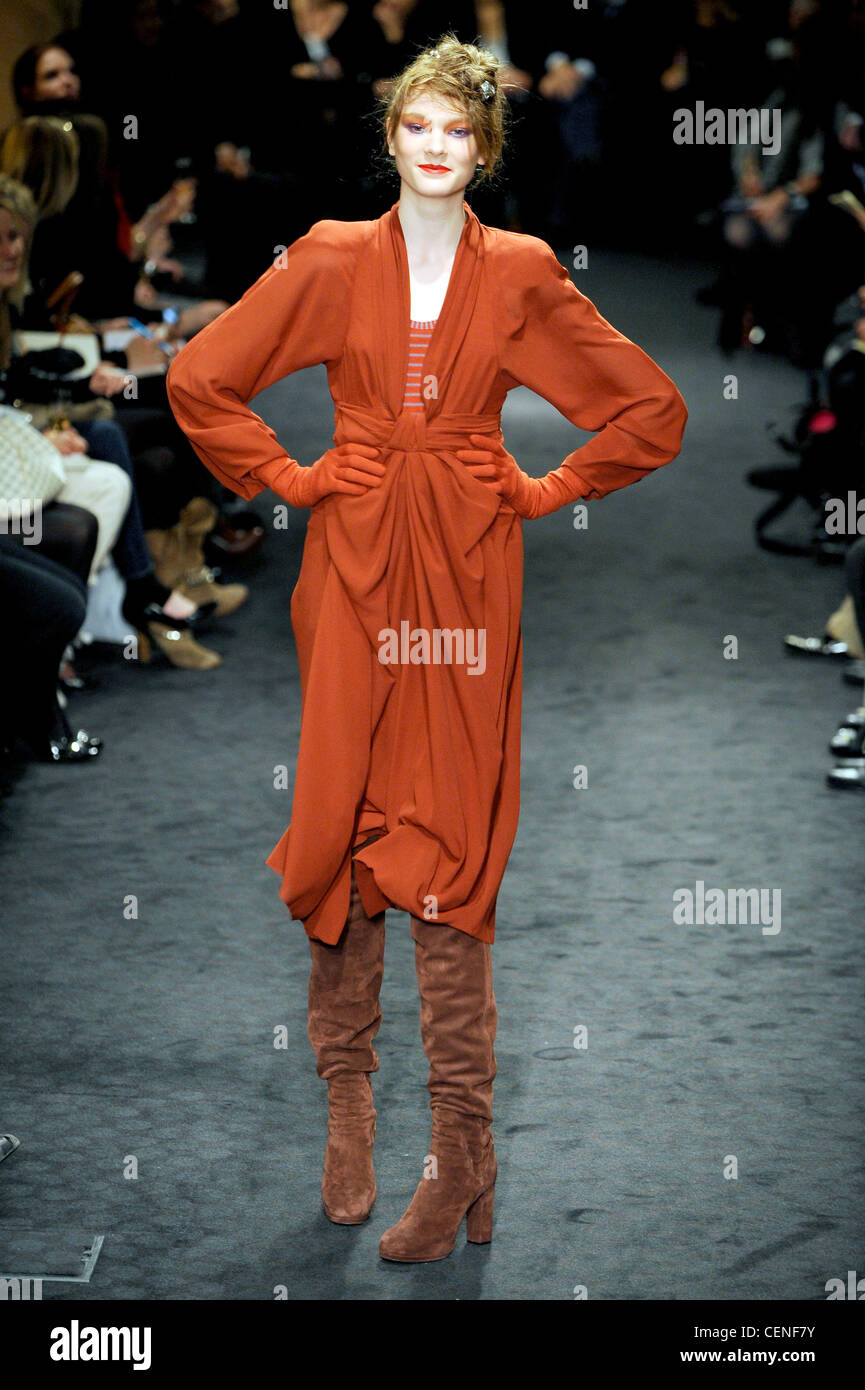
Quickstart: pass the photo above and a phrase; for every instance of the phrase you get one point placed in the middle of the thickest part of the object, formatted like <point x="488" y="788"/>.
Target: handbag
<point x="31" y="469"/>
<point x="53" y="366"/>
<point x="57" y="363"/>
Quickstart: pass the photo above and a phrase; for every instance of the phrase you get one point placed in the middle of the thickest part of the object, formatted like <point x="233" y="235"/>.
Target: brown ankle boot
<point x="344" y="1017"/>
<point x="458" y="1026"/>
<point x="178" y="559"/>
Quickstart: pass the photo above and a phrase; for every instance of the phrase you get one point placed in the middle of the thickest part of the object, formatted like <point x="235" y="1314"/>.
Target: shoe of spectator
<point x="178" y="559"/>
<point x="159" y="643"/>
<point x="817" y="646"/>
<point x="233" y="541"/>
<point x="854" y="673"/>
<point x="152" y="612"/>
<point x="8" y="1145"/>
<point x="848" y="776"/>
<point x="201" y="587"/>
<point x="82" y="736"/>
<point x="65" y="749"/>
<point x="848" y="743"/>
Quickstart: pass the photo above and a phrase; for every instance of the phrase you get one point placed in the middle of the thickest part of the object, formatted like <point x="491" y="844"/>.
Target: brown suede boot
<point x="178" y="559"/>
<point x="344" y="1017"/>
<point x="458" y="1026"/>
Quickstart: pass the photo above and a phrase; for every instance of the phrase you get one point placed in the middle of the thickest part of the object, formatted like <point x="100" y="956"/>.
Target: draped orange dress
<point x="423" y="752"/>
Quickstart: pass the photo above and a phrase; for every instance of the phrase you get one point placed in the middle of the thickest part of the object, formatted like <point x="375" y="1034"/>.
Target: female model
<point x="407" y="786"/>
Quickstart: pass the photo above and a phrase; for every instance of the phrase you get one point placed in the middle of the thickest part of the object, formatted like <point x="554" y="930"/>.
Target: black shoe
<point x="65" y="750"/>
<point x="78" y="682"/>
<point x="154" y="613"/>
<point x="63" y="745"/>
<point x="817" y="646"/>
<point x="848" y="743"/>
<point x="854" y="672"/>
<point x="8" y="1145"/>
<point x="848" y="776"/>
<point x="92" y="740"/>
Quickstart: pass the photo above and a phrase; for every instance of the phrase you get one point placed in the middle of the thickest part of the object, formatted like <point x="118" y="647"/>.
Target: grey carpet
<point x="151" y="1038"/>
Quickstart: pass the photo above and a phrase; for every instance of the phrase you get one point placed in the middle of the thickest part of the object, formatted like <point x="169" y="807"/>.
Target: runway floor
<point x="140" y="1071"/>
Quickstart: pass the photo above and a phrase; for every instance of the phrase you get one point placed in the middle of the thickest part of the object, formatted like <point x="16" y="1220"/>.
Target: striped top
<point x="419" y="334"/>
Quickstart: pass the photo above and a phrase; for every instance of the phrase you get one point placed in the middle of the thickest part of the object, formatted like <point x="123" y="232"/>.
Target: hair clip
<point x="487" y="90"/>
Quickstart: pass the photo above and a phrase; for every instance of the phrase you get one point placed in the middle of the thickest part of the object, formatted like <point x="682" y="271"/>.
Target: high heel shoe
<point x="824" y="646"/>
<point x="848" y="776"/>
<point x="179" y="561"/>
<point x="68" y="750"/>
<point x="460" y="1184"/>
<point x="170" y="642"/>
<point x="92" y="740"/>
<point x="64" y="746"/>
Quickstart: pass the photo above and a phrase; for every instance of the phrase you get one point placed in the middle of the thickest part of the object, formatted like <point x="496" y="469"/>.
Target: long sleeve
<point x="293" y="316"/>
<point x="553" y="340"/>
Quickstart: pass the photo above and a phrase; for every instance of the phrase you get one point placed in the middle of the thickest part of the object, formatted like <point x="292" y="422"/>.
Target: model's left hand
<point x="491" y="463"/>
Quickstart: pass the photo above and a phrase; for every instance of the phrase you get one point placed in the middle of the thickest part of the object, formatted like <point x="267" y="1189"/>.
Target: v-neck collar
<point x="454" y="316"/>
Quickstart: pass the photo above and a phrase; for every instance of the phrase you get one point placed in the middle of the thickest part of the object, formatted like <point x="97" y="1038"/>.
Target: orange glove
<point x="349" y="468"/>
<point x="491" y="463"/>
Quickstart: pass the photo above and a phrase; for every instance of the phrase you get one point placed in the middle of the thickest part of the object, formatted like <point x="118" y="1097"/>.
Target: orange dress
<point x="411" y="742"/>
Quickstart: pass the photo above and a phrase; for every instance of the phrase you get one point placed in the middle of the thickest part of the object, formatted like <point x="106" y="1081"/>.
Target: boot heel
<point x="479" y="1218"/>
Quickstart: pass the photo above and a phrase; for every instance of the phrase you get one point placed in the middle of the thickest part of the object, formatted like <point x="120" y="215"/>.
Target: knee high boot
<point x="344" y="1017"/>
<point x="458" y="1027"/>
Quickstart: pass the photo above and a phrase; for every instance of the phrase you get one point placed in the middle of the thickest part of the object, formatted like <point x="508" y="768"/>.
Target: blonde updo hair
<point x="466" y="76"/>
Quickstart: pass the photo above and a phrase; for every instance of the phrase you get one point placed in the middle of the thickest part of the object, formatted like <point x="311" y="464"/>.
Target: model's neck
<point x="430" y="226"/>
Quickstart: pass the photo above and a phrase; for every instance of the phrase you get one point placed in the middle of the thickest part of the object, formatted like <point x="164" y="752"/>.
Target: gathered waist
<point x="410" y="431"/>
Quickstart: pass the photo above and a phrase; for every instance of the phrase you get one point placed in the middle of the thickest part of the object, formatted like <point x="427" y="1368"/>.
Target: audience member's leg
<point x="107" y="441"/>
<point x="43" y="605"/>
<point x="67" y="534"/>
<point x="105" y="490"/>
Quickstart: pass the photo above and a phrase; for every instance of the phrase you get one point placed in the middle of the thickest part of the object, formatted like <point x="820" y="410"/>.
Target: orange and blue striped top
<point x="419" y="334"/>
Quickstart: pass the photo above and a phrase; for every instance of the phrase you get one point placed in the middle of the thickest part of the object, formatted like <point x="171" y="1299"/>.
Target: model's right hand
<point x="348" y="468"/>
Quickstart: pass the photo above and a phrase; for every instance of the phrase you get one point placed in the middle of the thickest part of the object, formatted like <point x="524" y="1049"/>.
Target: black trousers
<point x="42" y="605"/>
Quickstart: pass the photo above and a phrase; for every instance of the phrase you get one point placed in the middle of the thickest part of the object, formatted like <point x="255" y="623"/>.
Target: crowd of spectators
<point x="165" y="148"/>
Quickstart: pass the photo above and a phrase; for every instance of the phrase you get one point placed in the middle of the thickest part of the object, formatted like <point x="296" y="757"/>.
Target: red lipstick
<point x="435" y="168"/>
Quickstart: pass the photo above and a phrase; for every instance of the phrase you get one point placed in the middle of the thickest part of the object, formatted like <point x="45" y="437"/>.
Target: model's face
<point x="56" y="77"/>
<point x="434" y="147"/>
<point x="13" y="244"/>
